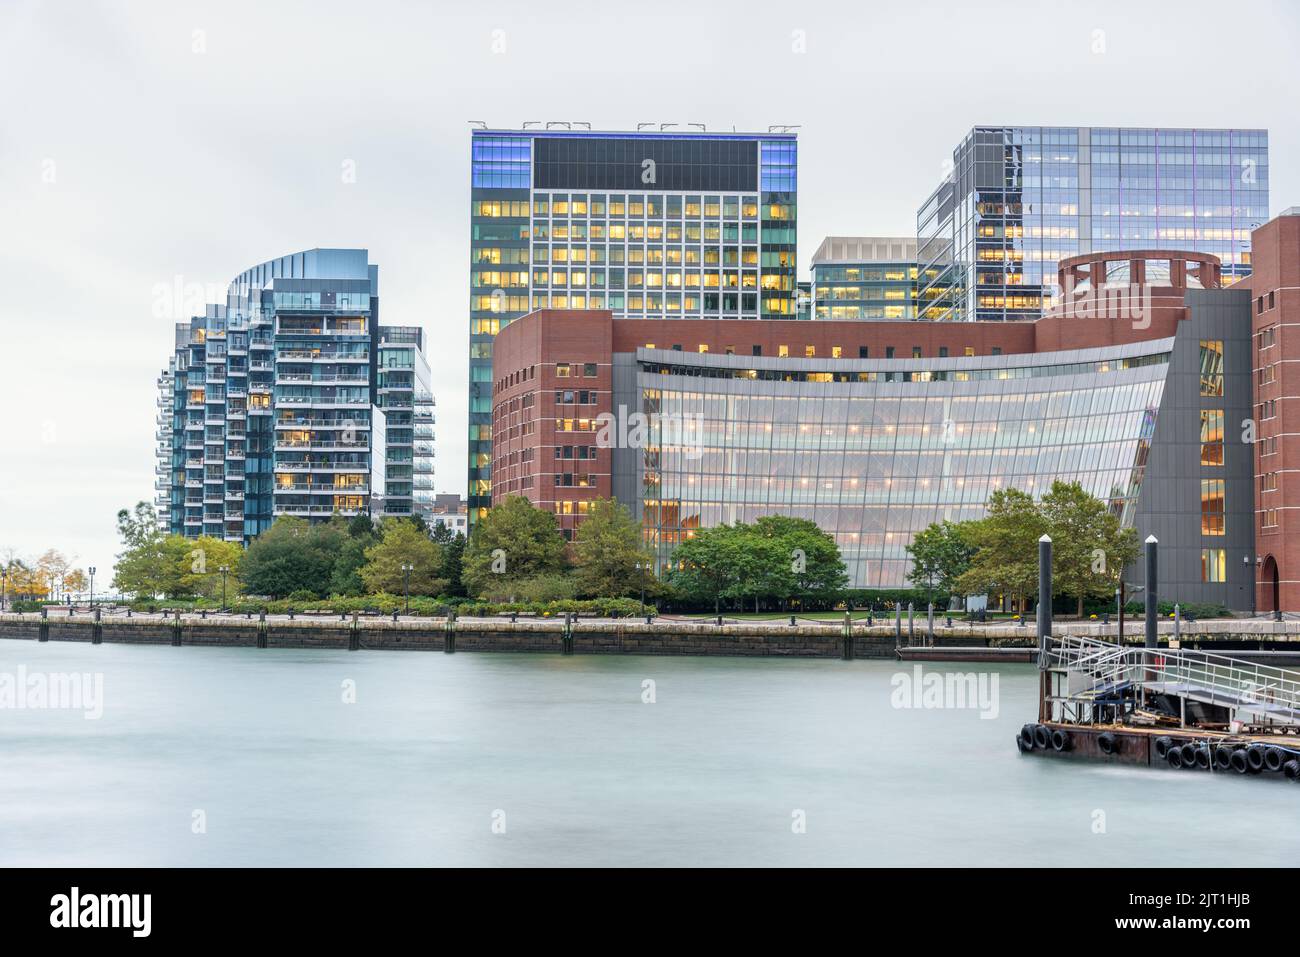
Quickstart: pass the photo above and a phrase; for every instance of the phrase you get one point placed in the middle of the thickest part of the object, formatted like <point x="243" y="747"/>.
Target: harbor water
<point x="235" y="756"/>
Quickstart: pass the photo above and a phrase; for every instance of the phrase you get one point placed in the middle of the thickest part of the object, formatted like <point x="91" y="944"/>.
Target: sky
<point x="148" y="147"/>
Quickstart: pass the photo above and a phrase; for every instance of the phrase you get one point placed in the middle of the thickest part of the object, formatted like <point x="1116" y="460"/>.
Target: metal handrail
<point x="1214" y="678"/>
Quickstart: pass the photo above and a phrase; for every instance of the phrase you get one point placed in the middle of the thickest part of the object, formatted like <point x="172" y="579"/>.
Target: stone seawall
<point x="805" y="639"/>
<point x="631" y="637"/>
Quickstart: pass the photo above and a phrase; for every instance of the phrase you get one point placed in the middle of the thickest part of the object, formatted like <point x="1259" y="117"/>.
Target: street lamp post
<point x="92" y="587"/>
<point x="407" y="568"/>
<point x="225" y="569"/>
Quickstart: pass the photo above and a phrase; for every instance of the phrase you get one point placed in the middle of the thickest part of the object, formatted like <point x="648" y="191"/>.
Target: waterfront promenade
<point x="662" y="635"/>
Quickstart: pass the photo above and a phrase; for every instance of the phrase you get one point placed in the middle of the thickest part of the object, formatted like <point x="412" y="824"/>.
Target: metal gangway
<point x="1098" y="674"/>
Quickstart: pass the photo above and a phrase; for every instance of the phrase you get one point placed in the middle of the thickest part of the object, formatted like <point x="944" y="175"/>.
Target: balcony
<point x="310" y="423"/>
<point x="297" y="509"/>
<point x="310" y="400"/>
<point x="322" y="490"/>
<point x="328" y="446"/>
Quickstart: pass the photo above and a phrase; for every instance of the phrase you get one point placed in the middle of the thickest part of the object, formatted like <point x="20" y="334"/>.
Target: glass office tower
<point x="647" y="224"/>
<point x="1019" y="199"/>
<point x="864" y="277"/>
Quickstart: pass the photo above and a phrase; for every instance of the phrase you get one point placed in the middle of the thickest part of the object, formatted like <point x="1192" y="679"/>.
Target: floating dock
<point x="1159" y="707"/>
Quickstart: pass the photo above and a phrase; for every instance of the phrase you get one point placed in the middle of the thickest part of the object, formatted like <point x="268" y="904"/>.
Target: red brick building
<point x="844" y="422"/>
<point x="1275" y="308"/>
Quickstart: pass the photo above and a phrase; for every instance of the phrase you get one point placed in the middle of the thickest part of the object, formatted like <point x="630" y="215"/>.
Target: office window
<point x="1211" y="436"/>
<point x="1212" y="367"/>
<point x="758" y="350"/>
<point x="1212" y="506"/>
<point x="1214" y="566"/>
<point x="864" y="352"/>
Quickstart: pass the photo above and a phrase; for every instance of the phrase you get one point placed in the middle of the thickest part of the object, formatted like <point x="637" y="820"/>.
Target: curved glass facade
<point x="873" y="459"/>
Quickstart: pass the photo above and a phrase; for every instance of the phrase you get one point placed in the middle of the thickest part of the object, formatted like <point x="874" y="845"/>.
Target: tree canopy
<point x="515" y="541"/>
<point x="777" y="559"/>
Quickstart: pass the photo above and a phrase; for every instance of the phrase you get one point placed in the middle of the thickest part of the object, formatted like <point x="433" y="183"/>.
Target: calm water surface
<point x="581" y="770"/>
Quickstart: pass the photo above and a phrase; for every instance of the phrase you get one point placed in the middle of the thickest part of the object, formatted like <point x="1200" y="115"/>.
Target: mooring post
<point x="354" y="637"/>
<point x="929" y="623"/>
<point x="898" y="624"/>
<point x="1152" y="544"/>
<point x="96" y="630"/>
<point x="1178" y="621"/>
<point x="911" y="624"/>
<point x="449" y="639"/>
<point x="261" y="628"/>
<point x="848" y="637"/>
<point x="176" y="630"/>
<point x="1044" y="615"/>
<point x="566" y="642"/>
<point x="44" y="627"/>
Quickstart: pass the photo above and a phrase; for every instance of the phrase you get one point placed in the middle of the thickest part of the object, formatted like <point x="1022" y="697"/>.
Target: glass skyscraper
<point x="648" y="224"/>
<point x="1019" y="199"/>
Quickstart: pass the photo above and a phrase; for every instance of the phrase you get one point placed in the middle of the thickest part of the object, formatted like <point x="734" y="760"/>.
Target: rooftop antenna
<point x="702" y="127"/>
<point x="641" y="126"/>
<point x="582" y="123"/>
<point x="528" y="123"/>
<point x="664" y="126"/>
<point x="564" y="123"/>
<point x="481" y="124"/>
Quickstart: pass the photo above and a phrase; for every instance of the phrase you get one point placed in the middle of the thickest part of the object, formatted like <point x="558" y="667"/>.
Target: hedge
<point x="423" y="606"/>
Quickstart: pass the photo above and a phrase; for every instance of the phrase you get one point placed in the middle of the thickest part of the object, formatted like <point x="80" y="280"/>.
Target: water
<point x="712" y="773"/>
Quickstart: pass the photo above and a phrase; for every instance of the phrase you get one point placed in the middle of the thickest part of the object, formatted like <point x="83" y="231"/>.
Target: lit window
<point x="1214" y="566"/>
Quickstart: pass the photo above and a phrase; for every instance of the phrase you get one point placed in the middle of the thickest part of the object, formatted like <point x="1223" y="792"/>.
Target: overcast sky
<point x="149" y="144"/>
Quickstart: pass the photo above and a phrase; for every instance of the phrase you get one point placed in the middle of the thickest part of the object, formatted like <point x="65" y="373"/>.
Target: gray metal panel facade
<point x="1170" y="504"/>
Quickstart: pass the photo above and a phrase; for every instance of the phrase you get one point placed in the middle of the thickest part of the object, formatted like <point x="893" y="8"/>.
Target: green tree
<point x="142" y="566"/>
<point x="1006" y="546"/>
<point x="453" y="554"/>
<point x="195" y="565"/>
<point x="404" y="543"/>
<point x="710" y="565"/>
<point x="1089" y="545"/>
<point x="940" y="554"/>
<point x="514" y="541"/>
<point x="805" y="564"/>
<point x="609" y="557"/>
<point x="290" y="556"/>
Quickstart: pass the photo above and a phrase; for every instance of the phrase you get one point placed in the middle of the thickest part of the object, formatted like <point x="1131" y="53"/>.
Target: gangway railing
<point x="1255" y="693"/>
